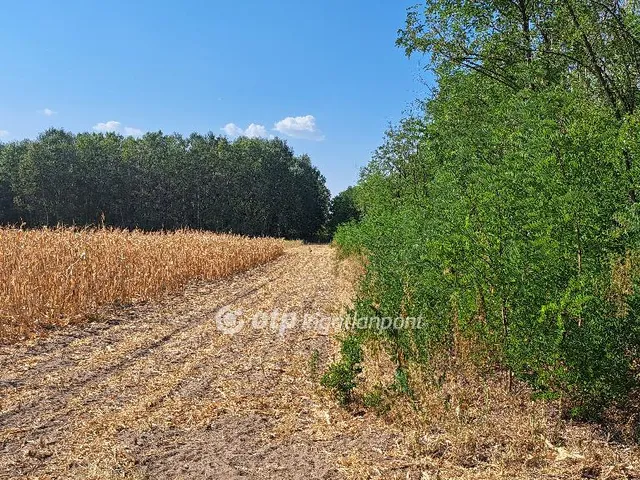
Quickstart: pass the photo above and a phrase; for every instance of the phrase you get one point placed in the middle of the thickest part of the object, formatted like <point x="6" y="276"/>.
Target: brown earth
<point x="158" y="391"/>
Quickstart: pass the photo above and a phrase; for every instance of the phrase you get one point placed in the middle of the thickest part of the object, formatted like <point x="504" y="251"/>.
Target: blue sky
<point x="325" y="74"/>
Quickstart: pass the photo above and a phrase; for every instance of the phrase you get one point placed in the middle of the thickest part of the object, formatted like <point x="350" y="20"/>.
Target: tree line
<point x="246" y="186"/>
<point x="504" y="209"/>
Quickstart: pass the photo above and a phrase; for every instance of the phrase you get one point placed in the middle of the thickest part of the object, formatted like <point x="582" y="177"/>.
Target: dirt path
<point x="157" y="391"/>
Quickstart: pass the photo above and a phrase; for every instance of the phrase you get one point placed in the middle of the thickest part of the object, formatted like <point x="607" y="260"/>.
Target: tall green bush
<point x="503" y="211"/>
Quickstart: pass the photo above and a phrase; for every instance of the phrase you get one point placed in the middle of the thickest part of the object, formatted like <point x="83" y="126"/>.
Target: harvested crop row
<point x="53" y="277"/>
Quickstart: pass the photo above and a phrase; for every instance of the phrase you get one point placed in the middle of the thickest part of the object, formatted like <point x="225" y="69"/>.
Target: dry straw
<point x="52" y="277"/>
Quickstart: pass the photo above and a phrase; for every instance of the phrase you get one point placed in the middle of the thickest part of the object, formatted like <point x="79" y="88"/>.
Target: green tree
<point x="343" y="209"/>
<point x="248" y="186"/>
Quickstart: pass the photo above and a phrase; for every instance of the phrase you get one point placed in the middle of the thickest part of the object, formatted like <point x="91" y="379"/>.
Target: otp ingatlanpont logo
<point x="229" y="321"/>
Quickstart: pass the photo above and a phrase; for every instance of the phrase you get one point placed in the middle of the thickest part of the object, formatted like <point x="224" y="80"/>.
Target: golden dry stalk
<point x="52" y="277"/>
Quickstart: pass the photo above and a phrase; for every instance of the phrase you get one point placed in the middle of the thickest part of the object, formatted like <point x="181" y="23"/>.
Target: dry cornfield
<point x="53" y="277"/>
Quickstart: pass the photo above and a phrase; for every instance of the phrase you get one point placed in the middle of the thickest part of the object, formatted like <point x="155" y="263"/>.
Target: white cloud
<point x="300" y="127"/>
<point x="255" y="131"/>
<point x="110" y="126"/>
<point x="116" y="127"/>
<point x="47" y="112"/>
<point x="132" y="132"/>
<point x="252" y="131"/>
<point x="4" y="134"/>
<point x="232" y="130"/>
